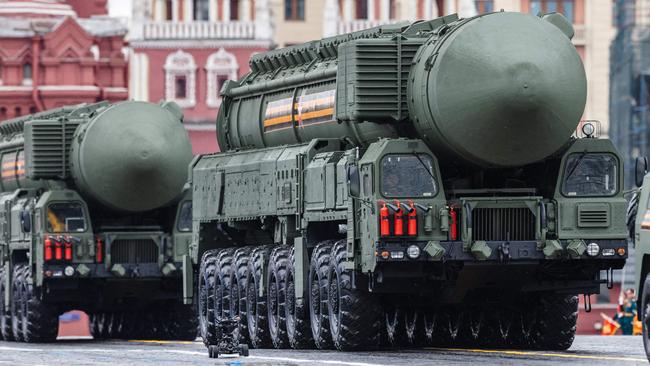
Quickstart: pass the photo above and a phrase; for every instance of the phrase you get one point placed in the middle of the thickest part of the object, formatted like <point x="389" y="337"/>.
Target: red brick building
<point x="183" y="50"/>
<point x="50" y="57"/>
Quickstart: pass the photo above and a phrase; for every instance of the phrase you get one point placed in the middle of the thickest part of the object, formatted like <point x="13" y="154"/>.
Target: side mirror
<point x="354" y="183"/>
<point x="26" y="221"/>
<point x="640" y="169"/>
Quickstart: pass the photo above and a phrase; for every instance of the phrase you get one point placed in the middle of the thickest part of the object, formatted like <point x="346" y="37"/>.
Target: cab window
<point x="65" y="217"/>
<point x="589" y="174"/>
<point x="185" y="217"/>
<point x="408" y="176"/>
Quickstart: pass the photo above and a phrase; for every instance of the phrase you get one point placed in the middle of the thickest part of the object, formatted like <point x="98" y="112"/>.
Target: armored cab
<point x="95" y="218"/>
<point x="427" y="181"/>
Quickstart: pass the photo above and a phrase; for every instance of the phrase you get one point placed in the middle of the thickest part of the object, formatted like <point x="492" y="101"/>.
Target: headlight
<point x="69" y="271"/>
<point x="593" y="249"/>
<point x="413" y="251"/>
<point x="588" y="129"/>
<point x="397" y="255"/>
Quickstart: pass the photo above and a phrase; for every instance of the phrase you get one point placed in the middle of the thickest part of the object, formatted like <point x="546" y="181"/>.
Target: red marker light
<point x="68" y="249"/>
<point x="384" y="221"/>
<point x="99" y="256"/>
<point x="47" y="253"/>
<point x="399" y="220"/>
<point x="453" y="230"/>
<point x="58" y="249"/>
<point x="412" y="220"/>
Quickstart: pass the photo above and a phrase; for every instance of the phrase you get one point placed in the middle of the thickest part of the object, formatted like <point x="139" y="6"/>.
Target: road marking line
<point x="311" y="362"/>
<point x="543" y="354"/>
<point x="20" y="349"/>
<point x="161" y="342"/>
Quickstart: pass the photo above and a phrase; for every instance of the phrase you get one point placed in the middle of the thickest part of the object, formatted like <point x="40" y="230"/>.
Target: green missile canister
<point x="496" y="90"/>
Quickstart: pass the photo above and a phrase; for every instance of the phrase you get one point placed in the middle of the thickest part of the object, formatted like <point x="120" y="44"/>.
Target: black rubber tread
<point x="630" y="217"/>
<point x="472" y="327"/>
<point x="393" y="318"/>
<point x="556" y="325"/>
<point x="223" y="305"/>
<point x="354" y="315"/>
<point x="429" y="323"/>
<point x="98" y="326"/>
<point x="256" y="311"/>
<point x="276" y="290"/>
<point x="240" y="271"/>
<point x="5" y="317"/>
<point x="317" y="288"/>
<point x="17" y="303"/>
<point x="205" y="297"/>
<point x="40" y="321"/>
<point x="296" y="310"/>
<point x="414" y="329"/>
<point x="645" y="314"/>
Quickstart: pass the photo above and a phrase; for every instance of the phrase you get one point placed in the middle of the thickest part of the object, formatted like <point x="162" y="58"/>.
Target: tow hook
<point x="504" y="252"/>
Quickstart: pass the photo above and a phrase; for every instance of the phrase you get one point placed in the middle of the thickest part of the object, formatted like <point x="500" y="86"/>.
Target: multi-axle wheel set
<point x="257" y="284"/>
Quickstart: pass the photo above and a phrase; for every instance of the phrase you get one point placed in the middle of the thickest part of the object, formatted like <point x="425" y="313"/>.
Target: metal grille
<point x="134" y="251"/>
<point x="593" y="218"/>
<point x="501" y="224"/>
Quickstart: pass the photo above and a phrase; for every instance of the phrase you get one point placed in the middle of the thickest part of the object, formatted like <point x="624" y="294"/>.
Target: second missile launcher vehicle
<point x="415" y="182"/>
<point x="93" y="217"/>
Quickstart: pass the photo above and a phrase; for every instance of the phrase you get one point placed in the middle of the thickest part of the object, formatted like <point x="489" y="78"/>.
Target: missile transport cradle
<point x="93" y="217"/>
<point x="415" y="182"/>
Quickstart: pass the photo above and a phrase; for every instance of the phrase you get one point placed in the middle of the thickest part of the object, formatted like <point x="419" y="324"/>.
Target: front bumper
<point x="117" y="270"/>
<point x="501" y="251"/>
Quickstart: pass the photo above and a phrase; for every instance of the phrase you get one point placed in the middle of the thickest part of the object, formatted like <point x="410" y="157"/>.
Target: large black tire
<point x="394" y="325"/>
<point x="17" y="303"/>
<point x="413" y="324"/>
<point x="556" y="325"/>
<point x="630" y="217"/>
<point x="276" y="294"/>
<point x="645" y="314"/>
<point x="223" y="301"/>
<point x="296" y="311"/>
<point x="240" y="271"/>
<point x="354" y="315"/>
<point x="318" y="288"/>
<point x="205" y="297"/>
<point x="99" y="325"/>
<point x="40" y="322"/>
<point x="256" y="311"/>
<point x="5" y="316"/>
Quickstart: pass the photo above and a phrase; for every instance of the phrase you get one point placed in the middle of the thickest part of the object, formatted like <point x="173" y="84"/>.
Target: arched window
<point x="27" y="74"/>
<point x="220" y="66"/>
<point x="180" y="79"/>
<point x="201" y="9"/>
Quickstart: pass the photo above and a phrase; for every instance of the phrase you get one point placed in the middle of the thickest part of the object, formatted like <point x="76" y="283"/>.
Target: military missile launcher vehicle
<point x="638" y="221"/>
<point x="415" y="182"/>
<point x="93" y="217"/>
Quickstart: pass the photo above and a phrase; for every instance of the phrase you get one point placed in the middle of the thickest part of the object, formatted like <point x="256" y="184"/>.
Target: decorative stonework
<point x="178" y="64"/>
<point x="219" y="65"/>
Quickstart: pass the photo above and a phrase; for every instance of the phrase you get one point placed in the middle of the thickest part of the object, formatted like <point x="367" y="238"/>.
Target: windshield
<point x="590" y="175"/>
<point x="185" y="217"/>
<point x="65" y="218"/>
<point x="408" y="176"/>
